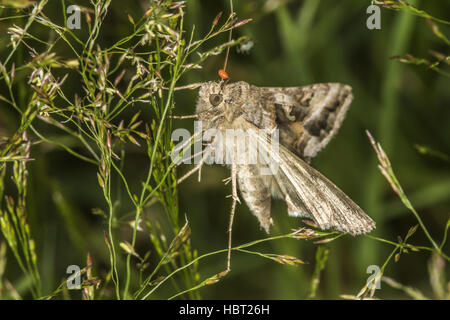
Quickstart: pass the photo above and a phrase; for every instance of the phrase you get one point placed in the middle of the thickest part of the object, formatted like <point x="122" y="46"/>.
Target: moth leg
<point x="190" y="158"/>
<point x="197" y="167"/>
<point x="191" y="86"/>
<point x="200" y="174"/>
<point x="209" y="150"/>
<point x="226" y="180"/>
<point x="233" y="209"/>
<point x="189" y="173"/>
<point x="190" y="116"/>
<point x="185" y="146"/>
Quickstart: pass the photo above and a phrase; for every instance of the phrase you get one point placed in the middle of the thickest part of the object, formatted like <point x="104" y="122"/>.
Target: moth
<point x="306" y="118"/>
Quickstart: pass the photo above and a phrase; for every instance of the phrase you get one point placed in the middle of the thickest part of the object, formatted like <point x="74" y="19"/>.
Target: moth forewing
<point x="309" y="116"/>
<point x="310" y="194"/>
<point x="326" y="203"/>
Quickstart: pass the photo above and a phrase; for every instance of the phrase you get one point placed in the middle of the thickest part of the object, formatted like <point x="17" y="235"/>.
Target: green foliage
<point x="86" y="177"/>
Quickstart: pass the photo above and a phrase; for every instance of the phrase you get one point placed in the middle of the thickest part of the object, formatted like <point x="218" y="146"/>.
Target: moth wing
<point x="329" y="206"/>
<point x="308" y="193"/>
<point x="256" y="193"/>
<point x="308" y="116"/>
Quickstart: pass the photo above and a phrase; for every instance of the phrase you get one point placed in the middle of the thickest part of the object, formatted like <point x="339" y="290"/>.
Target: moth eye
<point x="215" y="99"/>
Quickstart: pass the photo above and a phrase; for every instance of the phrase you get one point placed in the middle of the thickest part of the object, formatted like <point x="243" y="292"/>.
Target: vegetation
<point x="86" y="178"/>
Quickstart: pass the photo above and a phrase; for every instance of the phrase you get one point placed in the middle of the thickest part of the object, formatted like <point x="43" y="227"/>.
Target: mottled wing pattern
<point x="305" y="187"/>
<point x="308" y="193"/>
<point x="256" y="193"/>
<point x="309" y="116"/>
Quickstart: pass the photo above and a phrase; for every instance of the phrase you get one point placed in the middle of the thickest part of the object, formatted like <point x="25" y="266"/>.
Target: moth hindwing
<point x="306" y="118"/>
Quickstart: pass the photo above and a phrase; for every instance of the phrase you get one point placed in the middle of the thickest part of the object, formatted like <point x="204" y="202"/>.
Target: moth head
<point x="210" y="96"/>
<point x="219" y="97"/>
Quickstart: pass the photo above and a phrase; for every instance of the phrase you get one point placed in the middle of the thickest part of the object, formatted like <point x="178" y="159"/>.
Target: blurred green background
<point x="295" y="43"/>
